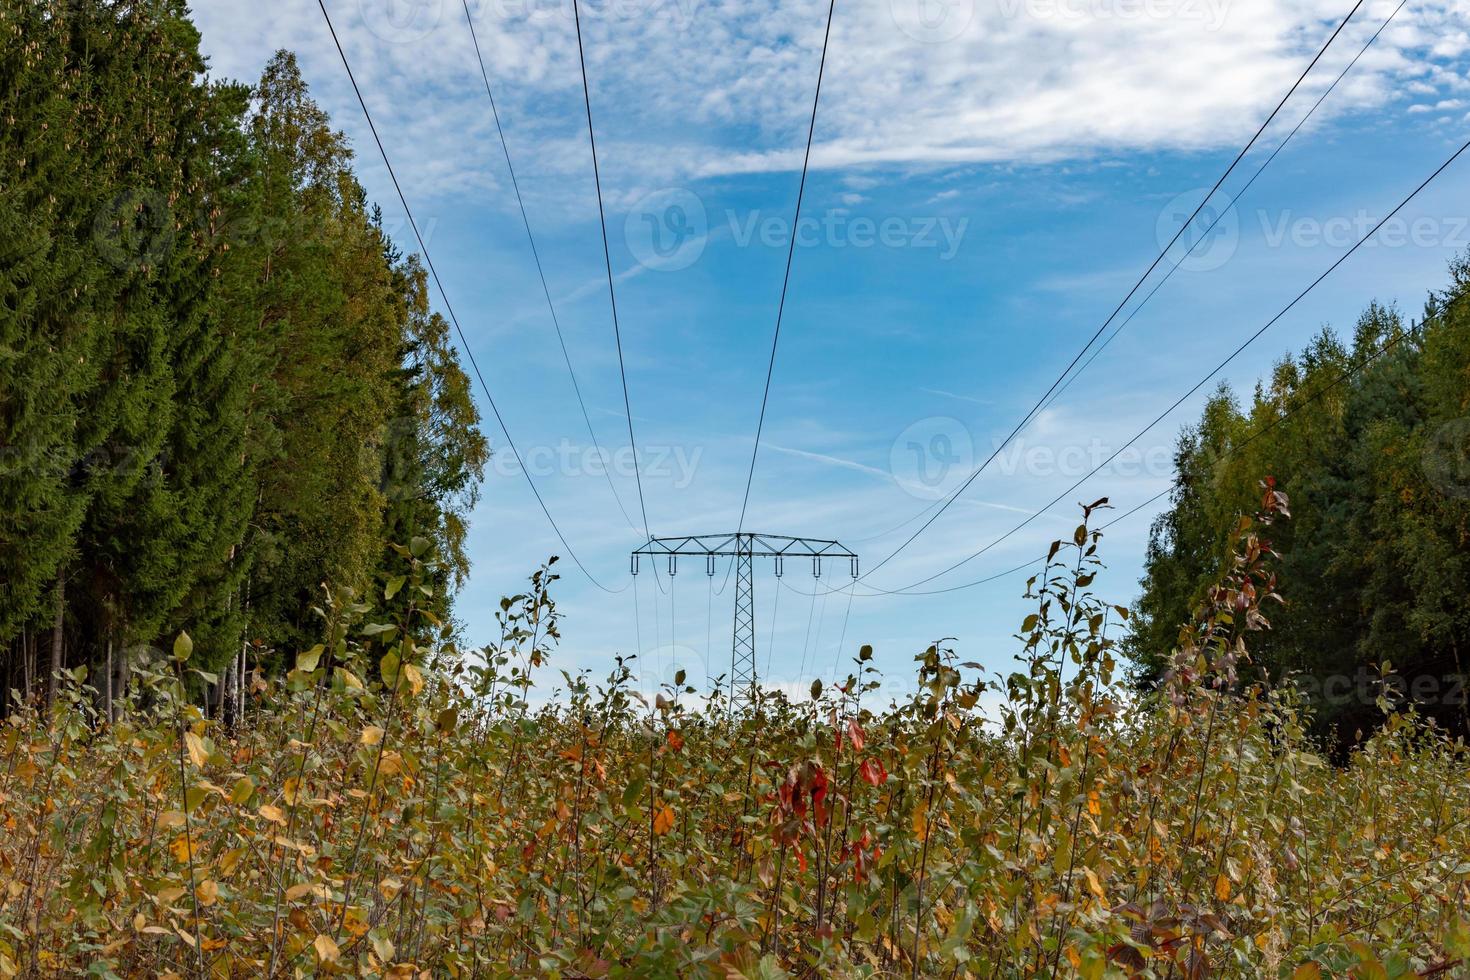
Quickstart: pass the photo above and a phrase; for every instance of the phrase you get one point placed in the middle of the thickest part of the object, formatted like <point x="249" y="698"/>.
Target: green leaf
<point x="243" y="789"/>
<point x="394" y="584"/>
<point x="183" y="647"/>
<point x="388" y="668"/>
<point x="307" y="661"/>
<point x="634" y="790"/>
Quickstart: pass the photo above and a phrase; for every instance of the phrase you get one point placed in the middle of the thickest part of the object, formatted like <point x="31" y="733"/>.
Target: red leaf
<point x="873" y="772"/>
<point x="855" y="734"/>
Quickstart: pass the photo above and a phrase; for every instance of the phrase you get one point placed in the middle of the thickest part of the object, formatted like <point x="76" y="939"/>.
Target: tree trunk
<point x="27" y="646"/>
<point x="107" y="683"/>
<point x="58" y="626"/>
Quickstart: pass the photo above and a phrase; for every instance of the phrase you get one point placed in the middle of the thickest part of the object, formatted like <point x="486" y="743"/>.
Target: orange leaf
<point x="663" y="820"/>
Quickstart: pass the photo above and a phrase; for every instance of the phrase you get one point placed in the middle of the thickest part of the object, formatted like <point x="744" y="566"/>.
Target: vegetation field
<point x="384" y="810"/>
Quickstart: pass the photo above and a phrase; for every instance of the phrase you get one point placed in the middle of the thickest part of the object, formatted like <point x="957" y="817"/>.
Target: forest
<point x="241" y="735"/>
<point x="222" y="384"/>
<point x="1370" y="437"/>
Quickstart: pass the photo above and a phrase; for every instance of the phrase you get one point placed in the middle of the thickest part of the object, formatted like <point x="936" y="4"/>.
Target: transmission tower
<point x="744" y="548"/>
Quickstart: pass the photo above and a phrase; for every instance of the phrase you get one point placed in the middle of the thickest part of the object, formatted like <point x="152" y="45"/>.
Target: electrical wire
<point x="1205" y="236"/>
<point x="806" y="643"/>
<point x="786" y="276"/>
<point x="1346" y="375"/>
<point x="444" y="297"/>
<point x="842" y="639"/>
<point x="949" y="499"/>
<point x="541" y="272"/>
<point x="637" y="622"/>
<point x="1213" y="372"/>
<point x="607" y="261"/>
<point x="771" y="641"/>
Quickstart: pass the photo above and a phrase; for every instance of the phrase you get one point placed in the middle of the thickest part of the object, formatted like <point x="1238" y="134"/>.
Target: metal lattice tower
<point x="744" y="548"/>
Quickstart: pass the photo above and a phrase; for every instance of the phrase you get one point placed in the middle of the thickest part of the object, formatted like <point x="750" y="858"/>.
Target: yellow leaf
<point x="230" y="859"/>
<point x="371" y="735"/>
<point x="290" y="789"/>
<point x="208" y="892"/>
<point x="663" y="820"/>
<point x="195" y="745"/>
<point x="180" y="848"/>
<point x="414" y="677"/>
<point x="297" y="891"/>
<point x="1307" y="971"/>
<point x="272" y="813"/>
<point x="1222" y="888"/>
<point x="920" y="822"/>
<point x="326" y="948"/>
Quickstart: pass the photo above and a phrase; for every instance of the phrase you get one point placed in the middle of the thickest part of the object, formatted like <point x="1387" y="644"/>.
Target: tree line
<point x="221" y="386"/>
<point x="1370" y="439"/>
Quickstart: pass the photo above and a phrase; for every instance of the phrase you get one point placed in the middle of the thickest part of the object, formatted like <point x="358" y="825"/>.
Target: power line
<point x="771" y="640"/>
<point x="444" y="296"/>
<point x="785" y="282"/>
<point x="953" y="495"/>
<point x="1218" y="368"/>
<point x="1205" y="236"/>
<point x="1346" y="375"/>
<point x="786" y="276"/>
<point x="607" y="260"/>
<point x="807" y="641"/>
<point x="837" y="657"/>
<point x="536" y="255"/>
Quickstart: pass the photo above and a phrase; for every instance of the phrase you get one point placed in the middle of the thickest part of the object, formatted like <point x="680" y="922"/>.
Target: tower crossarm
<point x="745" y="543"/>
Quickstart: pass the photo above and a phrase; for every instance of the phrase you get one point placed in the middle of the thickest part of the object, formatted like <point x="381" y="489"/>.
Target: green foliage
<point x="1371" y="441"/>
<point x="220" y="385"/>
<point x="394" y="809"/>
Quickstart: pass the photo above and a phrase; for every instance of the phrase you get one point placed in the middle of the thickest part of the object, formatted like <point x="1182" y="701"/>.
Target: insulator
<point x="780" y="566"/>
<point x="709" y="565"/>
<point x="633" y="564"/>
<point x="673" y="565"/>
<point x="817" y="567"/>
<point x="854" y="567"/>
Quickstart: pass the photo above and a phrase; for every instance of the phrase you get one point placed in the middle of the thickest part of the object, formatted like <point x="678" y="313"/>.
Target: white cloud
<point x="684" y="89"/>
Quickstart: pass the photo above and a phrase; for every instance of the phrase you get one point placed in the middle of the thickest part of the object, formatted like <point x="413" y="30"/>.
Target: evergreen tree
<point x="1371" y="442"/>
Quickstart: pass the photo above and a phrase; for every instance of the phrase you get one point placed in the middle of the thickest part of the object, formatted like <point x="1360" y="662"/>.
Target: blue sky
<point x="988" y="181"/>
